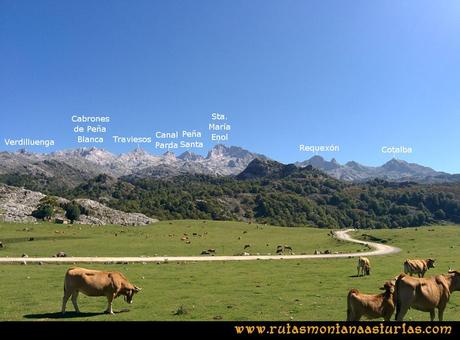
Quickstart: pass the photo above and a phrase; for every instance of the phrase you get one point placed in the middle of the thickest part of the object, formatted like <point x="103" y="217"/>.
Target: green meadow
<point x="164" y="238"/>
<point x="248" y="290"/>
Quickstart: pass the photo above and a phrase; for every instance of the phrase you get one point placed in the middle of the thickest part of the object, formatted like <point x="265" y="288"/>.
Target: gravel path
<point x="375" y="249"/>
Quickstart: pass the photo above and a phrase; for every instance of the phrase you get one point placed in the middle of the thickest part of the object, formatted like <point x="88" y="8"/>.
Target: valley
<point x="248" y="290"/>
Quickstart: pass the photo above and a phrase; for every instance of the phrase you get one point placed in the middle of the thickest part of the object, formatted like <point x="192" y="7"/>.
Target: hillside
<point x="18" y="205"/>
<point x="270" y="192"/>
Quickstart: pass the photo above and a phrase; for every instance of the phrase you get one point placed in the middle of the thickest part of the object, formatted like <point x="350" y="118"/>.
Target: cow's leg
<point x="432" y="315"/>
<point x="358" y="270"/>
<point x="352" y="316"/>
<point x="441" y="313"/>
<point x="74" y="301"/>
<point x="404" y="307"/>
<point x="66" y="297"/>
<point x="109" y="309"/>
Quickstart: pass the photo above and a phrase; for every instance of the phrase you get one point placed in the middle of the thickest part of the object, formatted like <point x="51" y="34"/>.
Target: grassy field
<point x="256" y="290"/>
<point x="163" y="238"/>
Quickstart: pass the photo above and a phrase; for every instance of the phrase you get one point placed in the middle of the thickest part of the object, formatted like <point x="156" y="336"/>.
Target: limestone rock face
<point x="17" y="204"/>
<point x="101" y="214"/>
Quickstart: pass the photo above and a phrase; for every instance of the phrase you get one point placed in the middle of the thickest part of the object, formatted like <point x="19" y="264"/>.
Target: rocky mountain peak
<point x="265" y="168"/>
<point x="169" y="154"/>
<point x="189" y="156"/>
<point x="220" y="150"/>
<point x="320" y="163"/>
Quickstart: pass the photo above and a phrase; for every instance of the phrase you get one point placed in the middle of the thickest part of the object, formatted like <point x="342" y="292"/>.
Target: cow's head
<point x="388" y="287"/>
<point x="367" y="269"/>
<point x="455" y="283"/>
<point x="430" y="263"/>
<point x="129" y="293"/>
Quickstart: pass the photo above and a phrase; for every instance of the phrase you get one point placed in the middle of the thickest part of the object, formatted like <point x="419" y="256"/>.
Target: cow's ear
<point x="382" y="288"/>
<point x="137" y="289"/>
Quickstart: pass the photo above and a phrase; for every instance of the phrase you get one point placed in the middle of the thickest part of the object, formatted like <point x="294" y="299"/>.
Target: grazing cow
<point x="364" y="266"/>
<point x="371" y="306"/>
<point x="246" y="246"/>
<point x="418" y="267"/>
<point x="205" y="252"/>
<point x="425" y="294"/>
<point x="96" y="283"/>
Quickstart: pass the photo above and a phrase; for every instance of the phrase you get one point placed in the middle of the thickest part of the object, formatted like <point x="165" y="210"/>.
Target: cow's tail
<point x="397" y="293"/>
<point x="349" y="307"/>
<point x="66" y="278"/>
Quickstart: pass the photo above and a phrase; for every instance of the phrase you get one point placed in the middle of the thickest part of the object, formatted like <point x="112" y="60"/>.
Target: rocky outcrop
<point x="101" y="214"/>
<point x="17" y="205"/>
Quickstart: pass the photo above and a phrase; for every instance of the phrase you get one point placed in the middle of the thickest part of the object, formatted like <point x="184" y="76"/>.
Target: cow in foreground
<point x="418" y="267"/>
<point x="96" y="283"/>
<point x="371" y="306"/>
<point x="425" y="294"/>
<point x="364" y="266"/>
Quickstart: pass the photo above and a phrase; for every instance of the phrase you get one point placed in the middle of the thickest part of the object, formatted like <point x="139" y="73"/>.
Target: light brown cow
<point x="96" y="283"/>
<point x="371" y="306"/>
<point x="364" y="266"/>
<point x="425" y="294"/>
<point x="418" y="267"/>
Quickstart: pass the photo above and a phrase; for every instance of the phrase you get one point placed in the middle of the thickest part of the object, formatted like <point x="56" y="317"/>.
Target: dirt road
<point x="375" y="249"/>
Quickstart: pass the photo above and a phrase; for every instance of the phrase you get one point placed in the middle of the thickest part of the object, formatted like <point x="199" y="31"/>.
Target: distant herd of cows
<point x="404" y="292"/>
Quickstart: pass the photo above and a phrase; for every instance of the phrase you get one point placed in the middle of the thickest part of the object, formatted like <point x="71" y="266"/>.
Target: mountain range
<point x="394" y="170"/>
<point x="72" y="167"/>
<point x="69" y="168"/>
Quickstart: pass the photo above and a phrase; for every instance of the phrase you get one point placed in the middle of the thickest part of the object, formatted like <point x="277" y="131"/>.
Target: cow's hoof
<point x="109" y="312"/>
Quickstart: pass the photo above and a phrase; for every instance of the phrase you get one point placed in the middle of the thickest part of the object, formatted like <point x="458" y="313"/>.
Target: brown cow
<point x="425" y="294"/>
<point x="418" y="267"/>
<point x="96" y="283"/>
<point x="371" y="306"/>
<point x="364" y="266"/>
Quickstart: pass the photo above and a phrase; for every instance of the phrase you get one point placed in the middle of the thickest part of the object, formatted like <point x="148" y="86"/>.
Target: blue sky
<point x="359" y="74"/>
